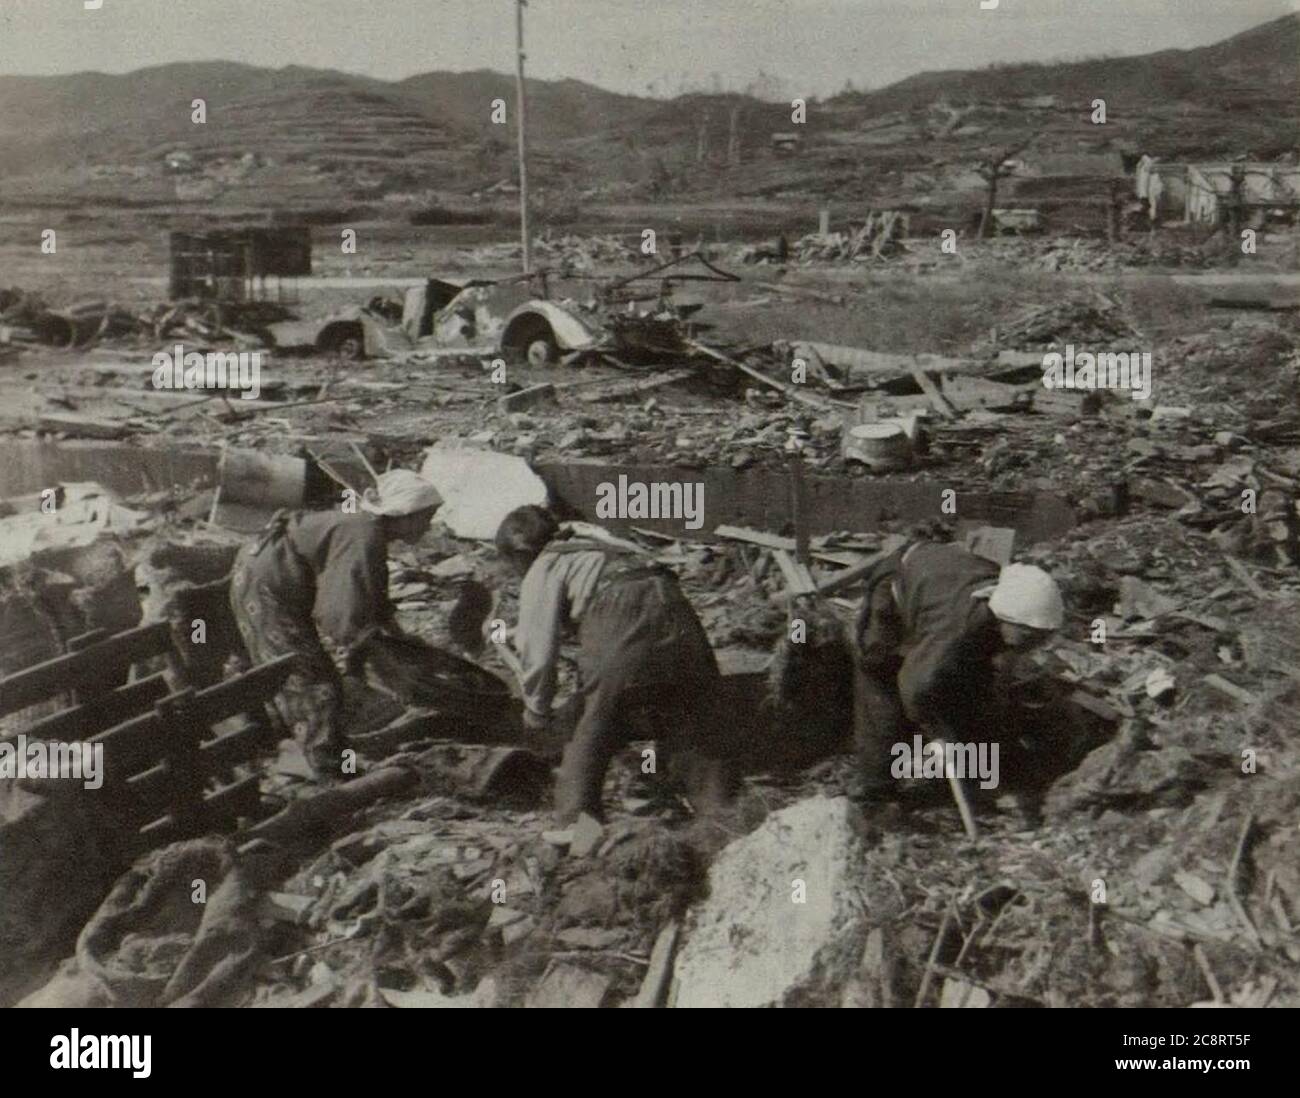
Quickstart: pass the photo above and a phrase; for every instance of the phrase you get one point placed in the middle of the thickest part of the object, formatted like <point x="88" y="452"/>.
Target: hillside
<point x="1261" y="64"/>
<point x="295" y="136"/>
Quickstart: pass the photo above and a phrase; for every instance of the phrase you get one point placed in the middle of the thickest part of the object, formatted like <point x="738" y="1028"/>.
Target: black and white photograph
<point x="604" y="503"/>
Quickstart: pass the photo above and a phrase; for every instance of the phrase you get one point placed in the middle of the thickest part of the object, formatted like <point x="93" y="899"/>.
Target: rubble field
<point x="1161" y="869"/>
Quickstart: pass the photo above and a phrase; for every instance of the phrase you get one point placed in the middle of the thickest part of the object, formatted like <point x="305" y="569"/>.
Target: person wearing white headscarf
<point x="934" y="619"/>
<point x="327" y="569"/>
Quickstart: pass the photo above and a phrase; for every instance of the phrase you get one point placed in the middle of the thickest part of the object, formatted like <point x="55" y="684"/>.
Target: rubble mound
<point x="1068" y="321"/>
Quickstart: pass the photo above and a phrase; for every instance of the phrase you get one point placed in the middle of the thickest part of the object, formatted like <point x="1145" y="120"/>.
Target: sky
<point x="640" y="47"/>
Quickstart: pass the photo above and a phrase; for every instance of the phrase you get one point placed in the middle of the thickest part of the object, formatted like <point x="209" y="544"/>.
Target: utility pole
<point x="523" y="137"/>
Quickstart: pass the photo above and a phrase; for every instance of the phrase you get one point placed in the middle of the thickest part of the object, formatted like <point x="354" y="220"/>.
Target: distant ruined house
<point x="786" y="144"/>
<point x="1202" y="193"/>
<point x="179" y="162"/>
<point x="1266" y="189"/>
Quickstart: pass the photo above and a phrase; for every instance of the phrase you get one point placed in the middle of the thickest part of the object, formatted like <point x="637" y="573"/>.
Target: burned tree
<point x="992" y="170"/>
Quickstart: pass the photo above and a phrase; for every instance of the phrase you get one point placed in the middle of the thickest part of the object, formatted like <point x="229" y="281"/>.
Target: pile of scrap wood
<point x="878" y="237"/>
<point x="1066" y="321"/>
<point x="27" y="318"/>
<point x="578" y="253"/>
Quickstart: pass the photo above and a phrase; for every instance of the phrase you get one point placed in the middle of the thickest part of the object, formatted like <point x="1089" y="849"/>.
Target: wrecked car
<point x="515" y="318"/>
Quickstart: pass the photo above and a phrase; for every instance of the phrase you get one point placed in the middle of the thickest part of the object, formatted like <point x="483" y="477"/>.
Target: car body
<point x="498" y="318"/>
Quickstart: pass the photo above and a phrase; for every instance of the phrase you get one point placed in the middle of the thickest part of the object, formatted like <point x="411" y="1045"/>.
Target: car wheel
<point x="350" y="349"/>
<point x="344" y="342"/>
<point x="543" y="352"/>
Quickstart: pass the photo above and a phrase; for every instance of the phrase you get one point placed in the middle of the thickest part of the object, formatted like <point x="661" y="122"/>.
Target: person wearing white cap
<point x="327" y="567"/>
<point x="933" y="621"/>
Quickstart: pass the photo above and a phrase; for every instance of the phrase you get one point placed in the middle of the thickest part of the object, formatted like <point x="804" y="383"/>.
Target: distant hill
<point x="1230" y="73"/>
<point x="295" y="136"/>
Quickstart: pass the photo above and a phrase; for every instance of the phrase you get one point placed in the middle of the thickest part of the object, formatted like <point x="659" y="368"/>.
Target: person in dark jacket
<point x="934" y="620"/>
<point x="643" y="655"/>
<point x="331" y="568"/>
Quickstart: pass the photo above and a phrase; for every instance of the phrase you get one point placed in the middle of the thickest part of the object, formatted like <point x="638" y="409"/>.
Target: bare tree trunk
<point x="986" y="221"/>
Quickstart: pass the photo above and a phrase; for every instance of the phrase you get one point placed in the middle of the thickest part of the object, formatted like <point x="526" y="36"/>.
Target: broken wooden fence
<point x="168" y="750"/>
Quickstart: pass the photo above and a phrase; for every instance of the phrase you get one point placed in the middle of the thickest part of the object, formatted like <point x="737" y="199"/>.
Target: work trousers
<point x="643" y="657"/>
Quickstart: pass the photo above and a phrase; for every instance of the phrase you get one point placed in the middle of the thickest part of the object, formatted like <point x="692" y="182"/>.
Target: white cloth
<point x="400" y="492"/>
<point x="1026" y="595"/>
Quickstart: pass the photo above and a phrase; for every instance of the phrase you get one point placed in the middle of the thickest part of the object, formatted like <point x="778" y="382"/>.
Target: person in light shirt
<point x="643" y="657"/>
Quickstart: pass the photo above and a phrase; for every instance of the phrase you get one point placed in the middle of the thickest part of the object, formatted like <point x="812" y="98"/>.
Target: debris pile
<point x="1143" y="854"/>
<point x="569" y="252"/>
<point x="881" y="236"/>
<point x="28" y="319"/>
<point x="1084" y="323"/>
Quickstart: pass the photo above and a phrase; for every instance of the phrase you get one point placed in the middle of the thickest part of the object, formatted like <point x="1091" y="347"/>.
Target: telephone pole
<point x="523" y="137"/>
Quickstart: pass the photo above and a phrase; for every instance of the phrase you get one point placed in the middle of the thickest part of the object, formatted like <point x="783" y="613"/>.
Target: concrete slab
<point x="479" y="488"/>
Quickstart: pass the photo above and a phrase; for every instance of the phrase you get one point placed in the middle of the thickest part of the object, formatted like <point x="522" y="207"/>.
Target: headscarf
<point x="400" y="492"/>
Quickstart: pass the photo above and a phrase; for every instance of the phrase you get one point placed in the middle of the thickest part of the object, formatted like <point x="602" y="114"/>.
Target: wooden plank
<point x="243" y="744"/>
<point x="218" y="810"/>
<point x="152" y="791"/>
<point x="1095" y="706"/>
<point x="139" y="744"/>
<point x="222" y="808"/>
<point x="798" y="579"/>
<point x="82" y="426"/>
<point x="799" y="512"/>
<point x="620" y="389"/>
<point x="776" y="541"/>
<point x="131" y="746"/>
<point x="931" y="391"/>
<point x="851" y="575"/>
<point x="180" y="750"/>
<point x="147" y="795"/>
<point x="1239" y="570"/>
<point x="755" y="537"/>
<point x="79" y="669"/>
<point x="967" y="393"/>
<point x="83" y="721"/>
<point x="856" y="360"/>
<point x="1231" y="689"/>
<point x="654" y="987"/>
<point x="790" y="391"/>
<point x="98" y="687"/>
<point x="243" y="692"/>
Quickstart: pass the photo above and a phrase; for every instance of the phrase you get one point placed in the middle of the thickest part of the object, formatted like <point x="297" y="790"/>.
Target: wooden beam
<point x="244" y="691"/>
<point x="851" y="575"/>
<point x="79" y="669"/>
<point x="931" y="391"/>
<point x="798" y="579"/>
<point x="790" y="391"/>
<point x="83" y="721"/>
